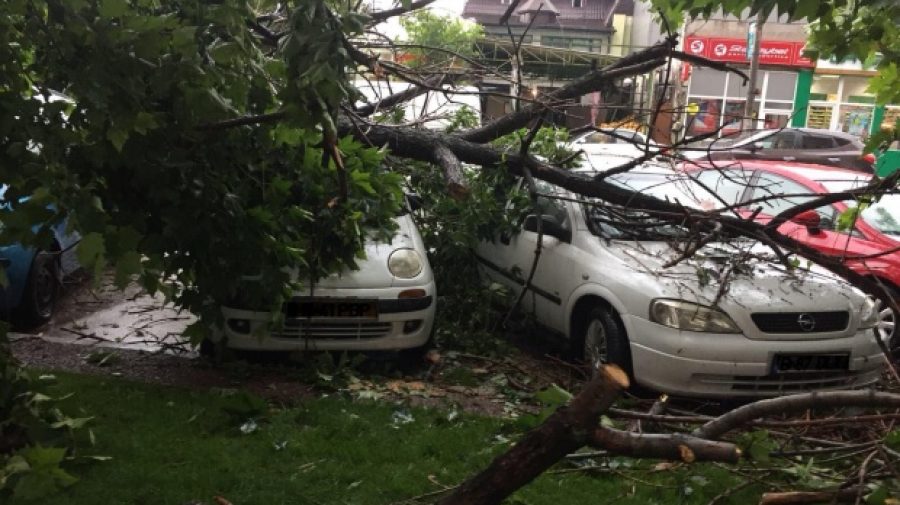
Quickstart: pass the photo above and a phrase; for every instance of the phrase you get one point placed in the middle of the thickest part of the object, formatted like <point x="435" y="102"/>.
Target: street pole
<point x="749" y="121"/>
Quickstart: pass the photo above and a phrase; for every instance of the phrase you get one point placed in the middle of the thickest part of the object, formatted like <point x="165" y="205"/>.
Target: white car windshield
<point x="616" y="222"/>
<point x="883" y="215"/>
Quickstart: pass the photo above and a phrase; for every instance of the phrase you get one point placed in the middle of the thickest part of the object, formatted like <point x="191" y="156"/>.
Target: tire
<point x="602" y="340"/>
<point x="41" y="290"/>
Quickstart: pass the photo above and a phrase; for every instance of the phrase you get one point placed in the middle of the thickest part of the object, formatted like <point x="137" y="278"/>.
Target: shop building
<point x="790" y="89"/>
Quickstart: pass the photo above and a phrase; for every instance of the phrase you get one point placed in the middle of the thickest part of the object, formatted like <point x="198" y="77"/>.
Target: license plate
<point x="810" y="362"/>
<point x="324" y="309"/>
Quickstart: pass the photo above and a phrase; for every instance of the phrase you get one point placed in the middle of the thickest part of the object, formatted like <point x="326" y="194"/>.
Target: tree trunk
<point x="567" y="430"/>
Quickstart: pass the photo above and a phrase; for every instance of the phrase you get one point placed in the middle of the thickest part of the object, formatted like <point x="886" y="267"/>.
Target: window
<point x="812" y="141"/>
<point x="729" y="185"/>
<point x="775" y="188"/>
<point x="781" y="140"/>
<point x="552" y="206"/>
<point x="577" y="3"/>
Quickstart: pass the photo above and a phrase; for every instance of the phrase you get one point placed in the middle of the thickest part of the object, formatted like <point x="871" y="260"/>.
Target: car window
<point x="781" y="140"/>
<point x="729" y="185"/>
<point x="552" y="206"/>
<point x="814" y="141"/>
<point x="780" y="194"/>
<point x="841" y="141"/>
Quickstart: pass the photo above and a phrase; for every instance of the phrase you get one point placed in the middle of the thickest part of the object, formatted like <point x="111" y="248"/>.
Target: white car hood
<point x="764" y="286"/>
<point x="373" y="271"/>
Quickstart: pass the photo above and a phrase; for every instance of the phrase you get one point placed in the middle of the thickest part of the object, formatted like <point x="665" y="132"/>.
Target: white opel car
<point x="604" y="287"/>
<point x="387" y="304"/>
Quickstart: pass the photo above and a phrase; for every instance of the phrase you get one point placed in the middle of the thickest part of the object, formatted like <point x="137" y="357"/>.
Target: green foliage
<point x="156" y="192"/>
<point x="435" y="32"/>
<point x="757" y="445"/>
<point x="36" y="438"/>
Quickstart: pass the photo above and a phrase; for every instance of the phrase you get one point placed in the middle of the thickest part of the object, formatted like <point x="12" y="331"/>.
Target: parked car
<point x="603" y="288"/>
<point x="876" y="232"/>
<point x="387" y="304"/>
<point x="614" y="141"/>
<point x="803" y="145"/>
<point x="35" y="276"/>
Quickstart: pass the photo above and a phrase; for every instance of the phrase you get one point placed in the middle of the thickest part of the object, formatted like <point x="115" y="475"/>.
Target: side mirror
<point x="414" y="201"/>
<point x="550" y="227"/>
<point x="810" y="219"/>
<point x="757" y="146"/>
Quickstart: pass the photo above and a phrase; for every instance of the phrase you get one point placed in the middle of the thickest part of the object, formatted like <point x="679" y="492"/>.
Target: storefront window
<point x="841" y="103"/>
<point x="781" y="86"/>
<point x="720" y="99"/>
<point x="706" y="81"/>
<point x="891" y="117"/>
<point x="855" y="119"/>
<point x="819" y="116"/>
<point x="855" y="90"/>
<point x="707" y="117"/>
<point x="825" y="87"/>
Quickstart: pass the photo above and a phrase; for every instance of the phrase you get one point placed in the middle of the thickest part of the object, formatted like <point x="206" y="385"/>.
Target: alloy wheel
<point x="595" y="344"/>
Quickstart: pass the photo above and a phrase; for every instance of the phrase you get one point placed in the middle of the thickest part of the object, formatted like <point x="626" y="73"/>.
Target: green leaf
<point x="805" y="9"/>
<point x="113" y="8"/>
<point x="117" y="137"/>
<point x="72" y="423"/>
<point x="878" y="496"/>
<point x="91" y="250"/>
<point x="892" y="440"/>
<point x="553" y="396"/>
<point x="128" y="266"/>
<point x="144" y="122"/>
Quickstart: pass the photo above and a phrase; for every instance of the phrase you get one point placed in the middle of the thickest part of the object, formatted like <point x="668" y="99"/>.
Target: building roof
<point x="534" y="6"/>
<point x="590" y="16"/>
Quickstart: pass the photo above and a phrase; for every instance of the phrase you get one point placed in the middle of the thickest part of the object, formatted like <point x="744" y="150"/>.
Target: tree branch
<point x="740" y="416"/>
<point x="456" y="181"/>
<point x="380" y="16"/>
<point x="567" y="430"/>
<point x="675" y="447"/>
<point x="633" y="64"/>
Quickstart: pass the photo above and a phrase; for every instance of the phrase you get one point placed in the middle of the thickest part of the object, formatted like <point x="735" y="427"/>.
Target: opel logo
<point x="806" y="322"/>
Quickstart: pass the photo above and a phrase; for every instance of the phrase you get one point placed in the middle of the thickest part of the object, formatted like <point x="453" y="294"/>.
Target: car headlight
<point x="868" y="313"/>
<point x="405" y="263"/>
<point x="691" y="317"/>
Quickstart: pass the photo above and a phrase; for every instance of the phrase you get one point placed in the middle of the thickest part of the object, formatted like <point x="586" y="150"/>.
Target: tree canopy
<point x="199" y="143"/>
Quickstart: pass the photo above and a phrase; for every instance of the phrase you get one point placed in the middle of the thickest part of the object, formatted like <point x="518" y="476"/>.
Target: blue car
<point x="35" y="276"/>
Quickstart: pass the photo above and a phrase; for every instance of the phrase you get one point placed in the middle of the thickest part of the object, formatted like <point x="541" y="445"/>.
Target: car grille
<point x="798" y="322"/>
<point x="796" y="382"/>
<point x="333" y="330"/>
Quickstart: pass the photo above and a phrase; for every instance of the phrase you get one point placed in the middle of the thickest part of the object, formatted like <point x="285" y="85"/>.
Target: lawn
<point x="176" y="446"/>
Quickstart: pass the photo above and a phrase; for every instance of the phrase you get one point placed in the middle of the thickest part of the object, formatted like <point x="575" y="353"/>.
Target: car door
<point x="778" y="194"/>
<point x="781" y="146"/>
<point x="555" y="277"/>
<point x="507" y="259"/>
<point x="818" y="148"/>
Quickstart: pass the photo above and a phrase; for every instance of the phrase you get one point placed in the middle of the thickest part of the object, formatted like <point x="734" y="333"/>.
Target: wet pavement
<point x="101" y="315"/>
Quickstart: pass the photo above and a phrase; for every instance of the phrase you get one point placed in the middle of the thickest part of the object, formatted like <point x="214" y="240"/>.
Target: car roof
<point x="809" y="172"/>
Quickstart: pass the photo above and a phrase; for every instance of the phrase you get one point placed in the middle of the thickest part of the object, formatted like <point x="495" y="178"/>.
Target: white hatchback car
<point x="605" y="289"/>
<point x="387" y="304"/>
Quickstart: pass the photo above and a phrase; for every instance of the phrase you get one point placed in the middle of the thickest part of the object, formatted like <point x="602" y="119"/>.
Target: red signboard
<point x="771" y="52"/>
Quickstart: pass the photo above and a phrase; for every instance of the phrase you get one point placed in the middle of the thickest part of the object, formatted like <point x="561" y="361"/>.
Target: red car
<point x="876" y="233"/>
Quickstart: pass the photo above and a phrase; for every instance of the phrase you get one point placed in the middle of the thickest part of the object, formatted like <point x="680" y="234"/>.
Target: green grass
<point x="172" y="446"/>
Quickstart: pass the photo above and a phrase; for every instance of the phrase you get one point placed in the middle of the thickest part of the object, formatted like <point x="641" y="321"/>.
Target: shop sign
<point x="771" y="52"/>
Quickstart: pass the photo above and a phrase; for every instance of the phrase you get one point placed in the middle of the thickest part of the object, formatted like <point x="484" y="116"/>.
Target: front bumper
<point x="393" y="329"/>
<point x="729" y="365"/>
